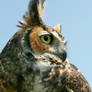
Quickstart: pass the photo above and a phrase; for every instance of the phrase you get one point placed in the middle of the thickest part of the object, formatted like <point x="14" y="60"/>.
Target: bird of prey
<point x="35" y="58"/>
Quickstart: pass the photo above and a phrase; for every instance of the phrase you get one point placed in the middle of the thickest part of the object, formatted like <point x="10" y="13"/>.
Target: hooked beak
<point x="62" y="55"/>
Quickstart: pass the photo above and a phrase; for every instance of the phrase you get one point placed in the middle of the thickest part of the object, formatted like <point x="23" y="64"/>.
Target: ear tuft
<point x="58" y="28"/>
<point x="42" y="4"/>
<point x="36" y="8"/>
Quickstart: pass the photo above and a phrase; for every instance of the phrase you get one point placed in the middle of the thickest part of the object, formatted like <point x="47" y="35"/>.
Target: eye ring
<point x="46" y="39"/>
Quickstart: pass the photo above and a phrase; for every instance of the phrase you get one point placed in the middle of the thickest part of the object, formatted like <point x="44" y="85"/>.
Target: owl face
<point x="47" y="41"/>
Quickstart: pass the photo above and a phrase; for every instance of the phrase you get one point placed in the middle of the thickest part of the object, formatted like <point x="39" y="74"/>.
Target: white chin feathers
<point x="47" y="61"/>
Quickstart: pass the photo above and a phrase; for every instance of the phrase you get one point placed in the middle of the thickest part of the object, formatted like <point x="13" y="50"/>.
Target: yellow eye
<point x="47" y="39"/>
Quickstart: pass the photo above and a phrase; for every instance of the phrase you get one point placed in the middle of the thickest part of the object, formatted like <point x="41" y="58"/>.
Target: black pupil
<point x="46" y="38"/>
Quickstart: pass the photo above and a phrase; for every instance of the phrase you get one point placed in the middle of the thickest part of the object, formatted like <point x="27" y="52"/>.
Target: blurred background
<point x="75" y="16"/>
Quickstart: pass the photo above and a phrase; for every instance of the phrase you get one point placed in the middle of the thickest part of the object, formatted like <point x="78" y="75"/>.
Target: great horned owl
<point x="34" y="59"/>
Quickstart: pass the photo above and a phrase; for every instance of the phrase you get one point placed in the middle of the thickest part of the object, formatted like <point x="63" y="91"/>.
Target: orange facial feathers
<point x="35" y="42"/>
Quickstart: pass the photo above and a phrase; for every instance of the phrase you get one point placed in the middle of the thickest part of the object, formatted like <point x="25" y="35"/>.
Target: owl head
<point x="38" y="38"/>
<point x="35" y="40"/>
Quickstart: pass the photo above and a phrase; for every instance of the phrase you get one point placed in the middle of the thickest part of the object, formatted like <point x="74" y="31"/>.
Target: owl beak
<point x="63" y="56"/>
